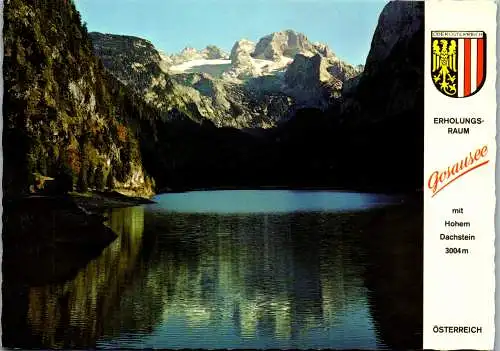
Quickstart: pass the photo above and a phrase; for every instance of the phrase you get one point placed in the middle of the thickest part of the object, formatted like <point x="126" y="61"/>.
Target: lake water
<point x="239" y="269"/>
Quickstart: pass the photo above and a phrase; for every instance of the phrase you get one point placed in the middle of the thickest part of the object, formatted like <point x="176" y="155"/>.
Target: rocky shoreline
<point x="98" y="201"/>
<point x="39" y="230"/>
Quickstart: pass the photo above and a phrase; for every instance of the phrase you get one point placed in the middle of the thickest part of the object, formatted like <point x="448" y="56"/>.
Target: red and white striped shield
<point x="458" y="64"/>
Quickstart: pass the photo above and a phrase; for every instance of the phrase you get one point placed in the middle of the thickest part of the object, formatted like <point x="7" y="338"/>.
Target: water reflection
<point x="283" y="281"/>
<point x="71" y="314"/>
<point x="191" y="280"/>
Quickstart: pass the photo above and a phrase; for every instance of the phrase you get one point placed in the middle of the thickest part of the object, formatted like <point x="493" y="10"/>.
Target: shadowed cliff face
<point x="373" y="135"/>
<point x="385" y="114"/>
<point x="392" y="81"/>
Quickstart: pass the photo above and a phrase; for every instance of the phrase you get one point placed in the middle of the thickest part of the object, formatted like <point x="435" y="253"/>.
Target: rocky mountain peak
<point x="307" y="71"/>
<point x="309" y="81"/>
<point x="241" y="60"/>
<point x="130" y="56"/>
<point x="285" y="43"/>
<point x="342" y="70"/>
<point x="212" y="52"/>
<point x="122" y="39"/>
<point x="189" y="52"/>
<point x="394" y="67"/>
<point x="241" y="49"/>
<point x="398" y="21"/>
<point x="284" y="69"/>
<point x="115" y="43"/>
<point x="323" y="50"/>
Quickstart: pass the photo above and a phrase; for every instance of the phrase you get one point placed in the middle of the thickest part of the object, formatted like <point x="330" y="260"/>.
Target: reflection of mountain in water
<point x="71" y="314"/>
<point x="303" y="280"/>
<point x="394" y="276"/>
<point x="244" y="280"/>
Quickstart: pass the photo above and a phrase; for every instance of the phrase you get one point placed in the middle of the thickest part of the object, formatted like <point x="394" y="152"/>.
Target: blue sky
<point x="346" y="26"/>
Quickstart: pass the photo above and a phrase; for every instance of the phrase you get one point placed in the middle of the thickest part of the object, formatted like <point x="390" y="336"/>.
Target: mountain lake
<point x="240" y="269"/>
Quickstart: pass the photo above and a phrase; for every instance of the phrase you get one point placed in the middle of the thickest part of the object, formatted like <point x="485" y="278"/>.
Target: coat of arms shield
<point x="458" y="62"/>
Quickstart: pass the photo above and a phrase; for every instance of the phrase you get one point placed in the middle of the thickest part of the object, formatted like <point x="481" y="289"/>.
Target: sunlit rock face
<point x="64" y="121"/>
<point x="259" y="84"/>
<point x="288" y="43"/>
